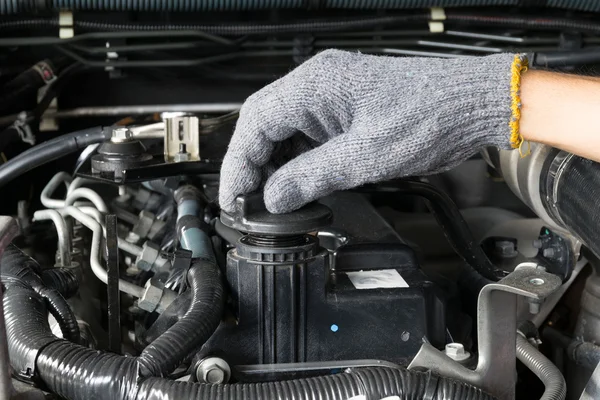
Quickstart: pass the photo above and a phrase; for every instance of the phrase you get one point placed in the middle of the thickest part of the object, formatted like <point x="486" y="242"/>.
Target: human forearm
<point x="562" y="111"/>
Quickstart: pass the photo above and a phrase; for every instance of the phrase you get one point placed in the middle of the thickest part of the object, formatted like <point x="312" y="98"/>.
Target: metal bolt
<point x="505" y="248"/>
<point x="548" y="253"/>
<point x="534" y="306"/>
<point x="213" y="370"/>
<point x="537" y="281"/>
<point x="120" y="135"/>
<point x="456" y="351"/>
<point x="405" y="336"/>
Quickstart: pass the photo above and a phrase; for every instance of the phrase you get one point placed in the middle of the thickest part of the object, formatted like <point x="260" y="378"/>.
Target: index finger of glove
<point x="264" y="119"/>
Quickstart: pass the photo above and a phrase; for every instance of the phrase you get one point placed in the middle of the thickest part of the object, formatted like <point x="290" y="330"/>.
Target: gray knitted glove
<point x="344" y="119"/>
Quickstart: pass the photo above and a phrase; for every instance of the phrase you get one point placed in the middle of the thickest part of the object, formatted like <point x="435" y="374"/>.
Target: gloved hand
<point x="344" y="119"/>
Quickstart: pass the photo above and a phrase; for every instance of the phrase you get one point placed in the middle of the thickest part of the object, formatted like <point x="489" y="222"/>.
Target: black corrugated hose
<point x="577" y="193"/>
<point x="372" y="383"/>
<point x="19" y="6"/>
<point x="79" y="373"/>
<point x="21" y="270"/>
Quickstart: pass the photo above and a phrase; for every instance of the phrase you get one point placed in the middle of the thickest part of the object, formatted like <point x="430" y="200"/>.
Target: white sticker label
<point x="383" y="278"/>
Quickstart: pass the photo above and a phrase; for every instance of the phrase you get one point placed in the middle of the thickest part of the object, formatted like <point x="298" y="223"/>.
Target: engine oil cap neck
<point x="251" y="216"/>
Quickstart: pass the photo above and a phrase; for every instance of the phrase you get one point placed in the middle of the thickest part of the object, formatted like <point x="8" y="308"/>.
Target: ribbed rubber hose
<point x="372" y="383"/>
<point x="20" y="6"/>
<point x="577" y="191"/>
<point x="544" y="369"/>
<point x="76" y="372"/>
<point x="186" y="336"/>
<point x="62" y="279"/>
<point x="19" y="269"/>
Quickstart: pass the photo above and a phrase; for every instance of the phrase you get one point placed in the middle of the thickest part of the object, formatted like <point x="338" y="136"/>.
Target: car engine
<point x="123" y="279"/>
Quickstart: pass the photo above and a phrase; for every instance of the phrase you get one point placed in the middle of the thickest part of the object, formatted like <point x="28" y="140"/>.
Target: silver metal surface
<point x="62" y="231"/>
<point x="496" y="333"/>
<point x="552" y="300"/>
<point x="9" y="229"/>
<point x="213" y="370"/>
<point x="592" y="389"/>
<point x="121" y="135"/>
<point x="182" y="137"/>
<point x="202" y="108"/>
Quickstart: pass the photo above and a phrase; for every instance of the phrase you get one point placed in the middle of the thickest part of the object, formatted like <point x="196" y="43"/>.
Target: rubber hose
<point x="164" y="354"/>
<point x="527" y="22"/>
<point x="582" y="353"/>
<point x="23" y="86"/>
<point x="370" y="383"/>
<point x="14" y="6"/>
<point x="62" y="279"/>
<point x="191" y="228"/>
<point x="62" y="312"/>
<point x="566" y="58"/>
<point x="51" y="150"/>
<point x="175" y="312"/>
<point x="449" y="218"/>
<point x="75" y="372"/>
<point x="19" y="269"/>
<point x="544" y="369"/>
<point x="577" y="193"/>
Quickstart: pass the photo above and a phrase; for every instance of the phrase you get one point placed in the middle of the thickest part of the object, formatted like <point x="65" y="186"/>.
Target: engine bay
<point x="122" y="278"/>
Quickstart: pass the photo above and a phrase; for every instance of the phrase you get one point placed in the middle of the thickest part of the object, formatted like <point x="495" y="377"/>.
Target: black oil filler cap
<point x="251" y="216"/>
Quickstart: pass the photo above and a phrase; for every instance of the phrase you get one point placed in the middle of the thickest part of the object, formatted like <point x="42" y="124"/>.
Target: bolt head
<point x="213" y="370"/>
<point x="120" y="135"/>
<point x="548" y="253"/>
<point x="214" y="375"/>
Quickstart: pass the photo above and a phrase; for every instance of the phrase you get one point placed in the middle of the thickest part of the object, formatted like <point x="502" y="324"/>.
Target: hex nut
<point x="120" y="135"/>
<point x="146" y="259"/>
<point x="144" y="224"/>
<point x="179" y="157"/>
<point x="153" y="292"/>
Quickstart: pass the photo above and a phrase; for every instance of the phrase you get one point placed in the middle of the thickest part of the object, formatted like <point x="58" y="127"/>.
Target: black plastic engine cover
<point x="290" y="305"/>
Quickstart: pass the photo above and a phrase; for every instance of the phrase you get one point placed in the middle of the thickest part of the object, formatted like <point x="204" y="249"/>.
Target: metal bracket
<point x="496" y="334"/>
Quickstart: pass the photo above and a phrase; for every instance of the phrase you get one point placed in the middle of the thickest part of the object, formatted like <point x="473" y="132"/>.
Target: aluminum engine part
<point x="496" y="333"/>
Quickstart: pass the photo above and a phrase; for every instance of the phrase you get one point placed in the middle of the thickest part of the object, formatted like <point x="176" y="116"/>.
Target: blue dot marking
<point x="334" y="328"/>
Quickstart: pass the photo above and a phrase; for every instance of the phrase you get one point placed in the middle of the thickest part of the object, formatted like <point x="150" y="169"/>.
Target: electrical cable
<point x="51" y="150"/>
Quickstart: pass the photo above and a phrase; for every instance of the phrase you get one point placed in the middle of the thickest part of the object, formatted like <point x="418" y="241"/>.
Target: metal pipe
<point x="122" y="244"/>
<point x="64" y="239"/>
<point x="96" y="265"/>
<point x="88" y="194"/>
<point x="202" y="108"/>
<point x="50" y="188"/>
<point x="9" y="229"/>
<point x="549" y="374"/>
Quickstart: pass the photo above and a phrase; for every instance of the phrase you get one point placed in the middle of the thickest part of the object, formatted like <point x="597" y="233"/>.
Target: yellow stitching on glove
<point x="519" y="65"/>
